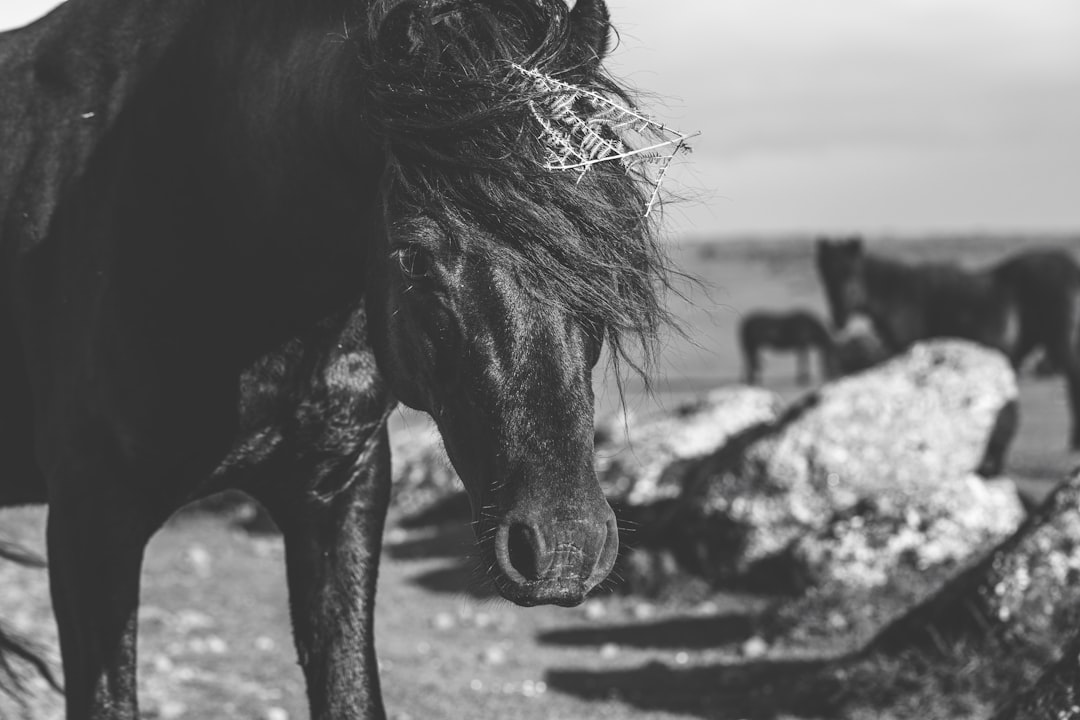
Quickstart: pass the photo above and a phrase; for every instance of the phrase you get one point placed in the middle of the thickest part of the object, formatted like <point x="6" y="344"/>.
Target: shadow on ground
<point x="444" y="542"/>
<point x="687" y="633"/>
<point x="760" y="690"/>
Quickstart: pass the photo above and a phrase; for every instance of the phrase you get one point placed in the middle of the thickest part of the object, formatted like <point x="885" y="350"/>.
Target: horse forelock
<point x="446" y="95"/>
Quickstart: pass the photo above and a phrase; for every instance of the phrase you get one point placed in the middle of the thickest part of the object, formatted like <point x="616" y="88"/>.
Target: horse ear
<point x="590" y="25"/>
<point x="855" y="244"/>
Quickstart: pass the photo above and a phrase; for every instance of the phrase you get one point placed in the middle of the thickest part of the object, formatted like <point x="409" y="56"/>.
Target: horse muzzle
<point x="554" y="562"/>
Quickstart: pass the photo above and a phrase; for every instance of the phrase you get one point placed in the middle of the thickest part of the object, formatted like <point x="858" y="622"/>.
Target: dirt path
<point x="214" y="635"/>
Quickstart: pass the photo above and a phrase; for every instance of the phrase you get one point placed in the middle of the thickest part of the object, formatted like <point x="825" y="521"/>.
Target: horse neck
<point x="898" y="300"/>
<point x="244" y="156"/>
<point x="886" y="278"/>
<point x="280" y="78"/>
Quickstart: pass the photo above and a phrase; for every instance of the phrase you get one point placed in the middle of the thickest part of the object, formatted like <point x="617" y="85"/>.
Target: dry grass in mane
<point x="452" y="91"/>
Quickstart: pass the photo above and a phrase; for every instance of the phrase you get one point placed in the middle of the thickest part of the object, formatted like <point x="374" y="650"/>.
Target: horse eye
<point x="415" y="262"/>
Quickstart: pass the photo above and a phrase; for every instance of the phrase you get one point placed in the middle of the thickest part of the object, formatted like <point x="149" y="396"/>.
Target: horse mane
<point x="451" y="91"/>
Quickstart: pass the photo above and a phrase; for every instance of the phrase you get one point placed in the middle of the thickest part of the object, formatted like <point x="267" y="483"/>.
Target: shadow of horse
<point x="696" y="633"/>
<point x="762" y="690"/>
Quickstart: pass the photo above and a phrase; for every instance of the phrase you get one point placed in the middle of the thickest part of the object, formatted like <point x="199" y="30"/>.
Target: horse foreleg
<point x="96" y="542"/>
<point x="332" y="548"/>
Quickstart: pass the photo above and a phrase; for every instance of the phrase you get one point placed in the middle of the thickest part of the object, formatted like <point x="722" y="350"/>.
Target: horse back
<point x="1046" y="285"/>
<point x="64" y="80"/>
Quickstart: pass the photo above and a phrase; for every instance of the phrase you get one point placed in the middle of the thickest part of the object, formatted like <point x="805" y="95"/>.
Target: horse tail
<point x="15" y="649"/>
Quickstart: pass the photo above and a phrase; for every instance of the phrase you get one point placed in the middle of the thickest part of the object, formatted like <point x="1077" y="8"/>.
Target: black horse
<point x="1027" y="301"/>
<point x="235" y="233"/>
<point x="798" y="331"/>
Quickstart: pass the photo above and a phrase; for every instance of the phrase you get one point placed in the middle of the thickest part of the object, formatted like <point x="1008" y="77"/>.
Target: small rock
<point x="162" y="663"/>
<point x="755" y="647"/>
<point x="595" y="609"/>
<point x="494" y="655"/>
<point x="443" y="621"/>
<point x="171" y="709"/>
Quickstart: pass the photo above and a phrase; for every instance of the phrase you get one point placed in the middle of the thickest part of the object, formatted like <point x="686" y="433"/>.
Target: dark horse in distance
<point x="798" y="331"/>
<point x="1027" y="301"/>
<point x="236" y="233"/>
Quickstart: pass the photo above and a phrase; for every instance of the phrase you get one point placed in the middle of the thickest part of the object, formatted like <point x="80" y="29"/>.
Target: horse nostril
<point x="519" y="546"/>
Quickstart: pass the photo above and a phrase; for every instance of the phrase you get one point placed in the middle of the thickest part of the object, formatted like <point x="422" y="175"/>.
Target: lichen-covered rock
<point x="873" y="470"/>
<point x="643" y="461"/>
<point x="422" y="472"/>
<point x="638" y="461"/>
<point x="1025" y="592"/>
<point x="994" y="628"/>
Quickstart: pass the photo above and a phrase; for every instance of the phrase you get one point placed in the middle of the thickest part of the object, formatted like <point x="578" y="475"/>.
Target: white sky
<point x="873" y="115"/>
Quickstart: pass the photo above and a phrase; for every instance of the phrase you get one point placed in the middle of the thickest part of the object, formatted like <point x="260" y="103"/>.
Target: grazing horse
<point x="236" y="233"/>
<point x="1027" y="301"/>
<point x="798" y="331"/>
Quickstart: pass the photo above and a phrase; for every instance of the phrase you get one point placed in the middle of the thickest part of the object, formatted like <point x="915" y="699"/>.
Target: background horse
<point x="1029" y="300"/>
<point x="798" y="331"/>
<point x="235" y="234"/>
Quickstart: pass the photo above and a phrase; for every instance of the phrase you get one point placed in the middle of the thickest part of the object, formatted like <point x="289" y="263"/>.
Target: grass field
<point x="215" y="640"/>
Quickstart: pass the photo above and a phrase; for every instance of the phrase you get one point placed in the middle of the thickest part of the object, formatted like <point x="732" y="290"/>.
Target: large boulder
<point x="868" y="473"/>
<point x="644" y="461"/>
<point x="423" y="476"/>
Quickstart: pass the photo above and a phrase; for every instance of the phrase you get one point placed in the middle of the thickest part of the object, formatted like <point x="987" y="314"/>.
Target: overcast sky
<point x="871" y="115"/>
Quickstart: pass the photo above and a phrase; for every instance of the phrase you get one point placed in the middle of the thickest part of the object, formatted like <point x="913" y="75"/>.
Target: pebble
<point x="595" y="609"/>
<point x="187" y="620"/>
<point x="531" y="688"/>
<point x="396" y="536"/>
<point x="494" y="655"/>
<point x="755" y="647"/>
<point x="276" y="713"/>
<point x="443" y="621"/>
<point x="171" y="709"/>
<point x="162" y="663"/>
<point x="216" y="645"/>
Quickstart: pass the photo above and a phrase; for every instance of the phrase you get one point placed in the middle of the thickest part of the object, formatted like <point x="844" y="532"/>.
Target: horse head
<point x="840" y="264"/>
<point x="497" y="280"/>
